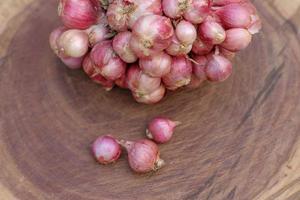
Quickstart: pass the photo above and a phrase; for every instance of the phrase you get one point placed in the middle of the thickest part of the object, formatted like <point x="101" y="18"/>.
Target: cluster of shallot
<point x="143" y="155"/>
<point x="151" y="46"/>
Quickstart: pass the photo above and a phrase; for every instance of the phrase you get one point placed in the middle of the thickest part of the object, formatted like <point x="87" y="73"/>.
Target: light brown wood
<point x="239" y="140"/>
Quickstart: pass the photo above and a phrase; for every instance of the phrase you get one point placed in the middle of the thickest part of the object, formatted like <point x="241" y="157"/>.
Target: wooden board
<point x="239" y="139"/>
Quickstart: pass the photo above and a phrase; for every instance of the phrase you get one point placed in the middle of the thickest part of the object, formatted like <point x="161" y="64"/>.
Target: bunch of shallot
<point x="143" y="155"/>
<point x="151" y="46"/>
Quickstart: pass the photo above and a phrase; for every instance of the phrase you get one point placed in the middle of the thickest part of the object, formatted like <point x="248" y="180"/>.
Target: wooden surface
<point x="240" y="139"/>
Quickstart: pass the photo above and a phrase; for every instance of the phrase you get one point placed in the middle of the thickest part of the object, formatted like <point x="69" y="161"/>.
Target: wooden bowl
<point x="239" y="139"/>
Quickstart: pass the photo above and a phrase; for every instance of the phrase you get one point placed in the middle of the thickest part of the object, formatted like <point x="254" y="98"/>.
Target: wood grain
<point x="239" y="141"/>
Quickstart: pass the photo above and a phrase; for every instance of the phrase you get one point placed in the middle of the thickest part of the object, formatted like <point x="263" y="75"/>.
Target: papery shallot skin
<point x="176" y="48"/>
<point x="218" y="68"/>
<point x="94" y="73"/>
<point x="107" y="61"/>
<point x="122" y="47"/>
<point x="141" y="83"/>
<point x="186" y="32"/>
<point x="79" y="14"/>
<point x="194" y="11"/>
<point x="143" y="155"/>
<point x="122" y="14"/>
<point x="73" y="43"/>
<point x="53" y="38"/>
<point x="256" y="24"/>
<point x="151" y="34"/>
<point x="237" y="39"/>
<point x="180" y="74"/>
<point x="161" y="129"/>
<point x="157" y="65"/>
<point x="106" y="149"/>
<point x="150" y="98"/>
<point x="99" y="32"/>
<point x="234" y="16"/>
<point x="211" y="32"/>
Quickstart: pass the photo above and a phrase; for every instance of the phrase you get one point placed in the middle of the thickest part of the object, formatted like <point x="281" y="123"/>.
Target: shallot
<point x="122" y="47"/>
<point x="79" y="14"/>
<point x="122" y="14"/>
<point x="98" y="33"/>
<point x="143" y="155"/>
<point x="107" y="61"/>
<point x="94" y="73"/>
<point x="176" y="48"/>
<point x="53" y="38"/>
<point x="211" y="32"/>
<point x="161" y="129"/>
<point x="180" y="74"/>
<point x="106" y="149"/>
<point x="151" y="34"/>
<point x="73" y="43"/>
<point x="234" y="16"/>
<point x="141" y="83"/>
<point x="157" y="65"/>
<point x="150" y="98"/>
<point x="186" y="32"/>
<point x="236" y="39"/>
<point x="218" y="68"/>
<point x="194" y="11"/>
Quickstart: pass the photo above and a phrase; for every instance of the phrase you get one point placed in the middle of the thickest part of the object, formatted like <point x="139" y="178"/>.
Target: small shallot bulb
<point x="53" y="38"/>
<point x="186" y="32"/>
<point x="122" y="48"/>
<point x="141" y="83"/>
<point x="212" y="32"/>
<point x="73" y="43"/>
<point x="78" y="14"/>
<point x="180" y="74"/>
<point x="143" y="155"/>
<point x="234" y="16"/>
<point x="143" y="7"/>
<point x="218" y="68"/>
<point x="194" y="11"/>
<point x="151" y="98"/>
<point x="256" y="23"/>
<point x="117" y="15"/>
<point x="106" y="149"/>
<point x="161" y="129"/>
<point x="174" y="8"/>
<point x="98" y="33"/>
<point x="177" y="48"/>
<point x="72" y="63"/>
<point x="122" y="14"/>
<point x="236" y="39"/>
<point x="94" y="73"/>
<point x="157" y="65"/>
<point x="107" y="61"/>
<point x="201" y="47"/>
<point x="151" y="34"/>
<point x="197" y="11"/>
